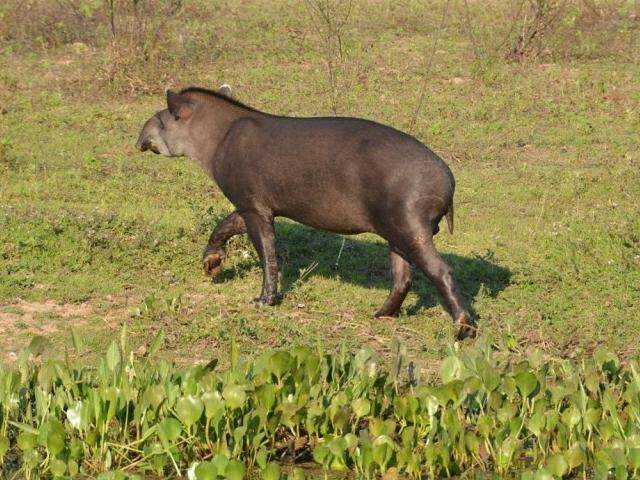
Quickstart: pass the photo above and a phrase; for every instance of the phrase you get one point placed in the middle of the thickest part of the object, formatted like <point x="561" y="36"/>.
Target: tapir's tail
<point x="449" y="217"/>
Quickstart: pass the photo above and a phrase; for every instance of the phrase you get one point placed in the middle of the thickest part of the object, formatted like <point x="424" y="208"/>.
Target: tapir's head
<point x="168" y="131"/>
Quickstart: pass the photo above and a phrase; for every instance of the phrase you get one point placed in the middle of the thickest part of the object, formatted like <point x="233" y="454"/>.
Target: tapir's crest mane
<point x="212" y="93"/>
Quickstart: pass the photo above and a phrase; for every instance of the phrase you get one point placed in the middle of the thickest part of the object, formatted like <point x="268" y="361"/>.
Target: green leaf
<point x="55" y="436"/>
<point x="575" y="456"/>
<point x="189" y="409"/>
<point x="361" y="407"/>
<point x="266" y="395"/>
<point x="235" y="470"/>
<point x="169" y="430"/>
<point x="156" y="344"/>
<point x="296" y="474"/>
<point x="571" y="416"/>
<point x="271" y="471"/>
<point x="451" y="369"/>
<point x="321" y="453"/>
<point x="57" y="467"/>
<point x="634" y="458"/>
<point x="542" y="474"/>
<point x="73" y="468"/>
<point x="213" y="404"/>
<point x="234" y="396"/>
<point x="536" y="423"/>
<point x="206" y="471"/>
<point x="113" y="356"/>
<point x="27" y="441"/>
<point x="557" y="465"/>
<point x="526" y="383"/>
<point x="383" y="448"/>
<point x="78" y="344"/>
<point x="4" y="447"/>
<point x="280" y="363"/>
<point x="220" y="462"/>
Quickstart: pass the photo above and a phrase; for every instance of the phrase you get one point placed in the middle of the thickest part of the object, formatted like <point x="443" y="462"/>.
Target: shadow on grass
<point x="305" y="252"/>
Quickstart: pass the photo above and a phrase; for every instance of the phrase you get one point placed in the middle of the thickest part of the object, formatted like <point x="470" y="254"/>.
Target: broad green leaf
<point x="571" y="417"/>
<point x="57" y="467"/>
<point x="451" y="369"/>
<point x="206" y="471"/>
<point x="235" y="470"/>
<point x="55" y="436"/>
<point x="220" y="462"/>
<point x="31" y="458"/>
<point x="279" y="363"/>
<point x="27" y="441"/>
<point x="271" y="471"/>
<point x="266" y="395"/>
<point x="234" y="396"/>
<point x="169" y="430"/>
<point x="321" y="453"/>
<point x="526" y="383"/>
<point x="73" y="468"/>
<point x="634" y="458"/>
<point x="543" y="474"/>
<point x="213" y="404"/>
<point x="296" y="474"/>
<point x="575" y="456"/>
<point x="557" y="465"/>
<point x="361" y="407"/>
<point x="4" y="447"/>
<point x="536" y="423"/>
<point x="189" y="409"/>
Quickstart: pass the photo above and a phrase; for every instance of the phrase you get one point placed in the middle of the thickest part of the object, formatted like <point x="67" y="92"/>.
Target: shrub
<point x="490" y="411"/>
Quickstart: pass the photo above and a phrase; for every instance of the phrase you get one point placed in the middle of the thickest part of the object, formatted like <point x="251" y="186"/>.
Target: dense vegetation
<point x="489" y="412"/>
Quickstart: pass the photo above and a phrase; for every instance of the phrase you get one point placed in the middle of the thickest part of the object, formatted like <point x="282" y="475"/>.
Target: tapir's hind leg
<point x="401" y="275"/>
<point x="426" y="257"/>
<point x="214" y="252"/>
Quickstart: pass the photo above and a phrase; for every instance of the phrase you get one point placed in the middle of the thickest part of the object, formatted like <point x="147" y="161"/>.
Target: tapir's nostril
<point x="144" y="145"/>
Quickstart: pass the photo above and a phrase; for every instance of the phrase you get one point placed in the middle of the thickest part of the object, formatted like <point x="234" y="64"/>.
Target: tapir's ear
<point x="225" y="90"/>
<point x="179" y="105"/>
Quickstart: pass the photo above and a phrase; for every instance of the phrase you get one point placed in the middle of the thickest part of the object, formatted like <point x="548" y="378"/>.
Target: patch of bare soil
<point x="22" y="318"/>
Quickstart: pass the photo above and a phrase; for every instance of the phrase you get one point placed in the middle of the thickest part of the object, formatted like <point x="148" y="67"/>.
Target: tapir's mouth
<point x="148" y="145"/>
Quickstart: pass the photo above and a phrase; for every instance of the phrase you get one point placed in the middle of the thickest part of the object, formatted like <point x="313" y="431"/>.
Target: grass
<point x="547" y="242"/>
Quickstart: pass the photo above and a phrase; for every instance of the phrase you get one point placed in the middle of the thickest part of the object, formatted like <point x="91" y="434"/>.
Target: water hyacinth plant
<point x="491" y="414"/>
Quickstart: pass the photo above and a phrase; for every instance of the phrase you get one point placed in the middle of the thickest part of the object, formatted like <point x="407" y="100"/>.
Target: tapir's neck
<point x="210" y="128"/>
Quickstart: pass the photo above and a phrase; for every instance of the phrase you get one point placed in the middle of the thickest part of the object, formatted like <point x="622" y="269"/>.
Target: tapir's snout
<point x="150" y="138"/>
<point x="143" y="145"/>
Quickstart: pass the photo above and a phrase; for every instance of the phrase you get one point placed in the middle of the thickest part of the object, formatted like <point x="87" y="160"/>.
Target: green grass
<point x="547" y="241"/>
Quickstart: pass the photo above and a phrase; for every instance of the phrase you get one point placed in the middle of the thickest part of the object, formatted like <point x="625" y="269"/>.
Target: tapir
<point x="340" y="174"/>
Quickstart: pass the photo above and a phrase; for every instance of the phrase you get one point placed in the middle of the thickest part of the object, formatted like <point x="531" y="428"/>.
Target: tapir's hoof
<point x="465" y="328"/>
<point x="384" y="313"/>
<point x="212" y="264"/>
<point x="267" y="300"/>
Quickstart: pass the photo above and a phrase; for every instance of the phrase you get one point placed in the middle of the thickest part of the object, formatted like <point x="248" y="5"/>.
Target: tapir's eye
<point x="176" y="117"/>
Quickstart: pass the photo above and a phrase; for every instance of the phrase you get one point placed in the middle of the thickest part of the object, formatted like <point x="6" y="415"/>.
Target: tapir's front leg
<point x="262" y="234"/>
<point x="214" y="252"/>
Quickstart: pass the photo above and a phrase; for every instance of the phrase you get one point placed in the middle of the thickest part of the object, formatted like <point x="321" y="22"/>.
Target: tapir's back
<point x="339" y="174"/>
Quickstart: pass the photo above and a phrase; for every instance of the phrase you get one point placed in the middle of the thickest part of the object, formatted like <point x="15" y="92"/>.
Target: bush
<point x="491" y="411"/>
